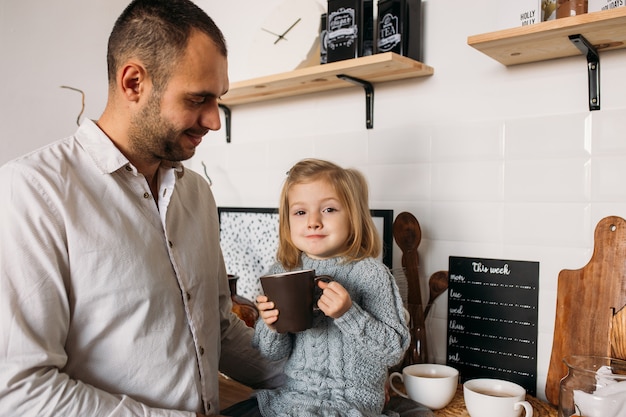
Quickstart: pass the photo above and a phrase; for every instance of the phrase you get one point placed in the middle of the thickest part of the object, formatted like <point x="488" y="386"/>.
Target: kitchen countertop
<point x="457" y="407"/>
<point x="232" y="392"/>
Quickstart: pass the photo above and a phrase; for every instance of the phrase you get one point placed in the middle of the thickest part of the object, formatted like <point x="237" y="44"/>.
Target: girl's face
<point x="318" y="221"/>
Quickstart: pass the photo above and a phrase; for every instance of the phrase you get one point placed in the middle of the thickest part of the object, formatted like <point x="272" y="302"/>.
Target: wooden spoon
<point x="438" y="284"/>
<point x="408" y="234"/>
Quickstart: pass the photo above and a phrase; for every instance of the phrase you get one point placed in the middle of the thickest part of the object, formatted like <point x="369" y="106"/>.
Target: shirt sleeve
<point x="238" y="349"/>
<point x="240" y="358"/>
<point x="35" y="314"/>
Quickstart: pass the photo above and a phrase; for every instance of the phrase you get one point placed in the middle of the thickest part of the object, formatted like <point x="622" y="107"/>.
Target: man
<point x="114" y="297"/>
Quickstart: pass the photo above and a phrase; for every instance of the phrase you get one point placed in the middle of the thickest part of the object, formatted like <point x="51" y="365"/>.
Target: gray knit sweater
<point x="339" y="367"/>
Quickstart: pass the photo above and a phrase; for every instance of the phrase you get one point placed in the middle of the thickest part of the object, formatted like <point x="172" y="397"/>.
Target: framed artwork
<point x="249" y="240"/>
<point x="383" y="219"/>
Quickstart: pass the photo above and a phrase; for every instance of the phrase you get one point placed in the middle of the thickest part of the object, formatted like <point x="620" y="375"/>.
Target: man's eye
<point x="198" y="102"/>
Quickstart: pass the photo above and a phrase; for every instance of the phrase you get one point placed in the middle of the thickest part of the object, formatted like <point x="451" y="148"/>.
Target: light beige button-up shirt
<point x="110" y="306"/>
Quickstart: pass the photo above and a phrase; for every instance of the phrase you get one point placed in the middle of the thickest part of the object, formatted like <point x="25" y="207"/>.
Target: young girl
<point x="339" y="366"/>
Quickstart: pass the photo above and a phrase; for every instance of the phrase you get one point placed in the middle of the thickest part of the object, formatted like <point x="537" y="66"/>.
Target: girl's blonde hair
<point x="351" y="188"/>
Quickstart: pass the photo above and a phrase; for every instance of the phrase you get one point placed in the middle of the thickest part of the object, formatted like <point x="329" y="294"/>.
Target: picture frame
<point x="249" y="240"/>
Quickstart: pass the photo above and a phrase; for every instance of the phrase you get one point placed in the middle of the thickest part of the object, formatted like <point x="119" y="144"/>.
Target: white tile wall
<point x="495" y="162"/>
<point x="499" y="183"/>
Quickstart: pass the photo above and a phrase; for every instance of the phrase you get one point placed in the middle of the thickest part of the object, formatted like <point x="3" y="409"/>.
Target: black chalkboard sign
<point x="492" y="319"/>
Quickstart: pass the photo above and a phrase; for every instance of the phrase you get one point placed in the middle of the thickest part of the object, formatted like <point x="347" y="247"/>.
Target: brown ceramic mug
<point x="295" y="295"/>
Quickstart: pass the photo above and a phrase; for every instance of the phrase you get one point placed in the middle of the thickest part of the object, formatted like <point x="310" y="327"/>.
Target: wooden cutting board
<point x="587" y="300"/>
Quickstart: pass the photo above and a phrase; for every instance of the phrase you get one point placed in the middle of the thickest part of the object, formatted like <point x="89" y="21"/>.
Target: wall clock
<point x="287" y="39"/>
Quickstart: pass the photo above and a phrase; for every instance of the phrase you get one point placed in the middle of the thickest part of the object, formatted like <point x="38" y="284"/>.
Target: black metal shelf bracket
<point x="227" y="114"/>
<point x="593" y="68"/>
<point x="369" y="97"/>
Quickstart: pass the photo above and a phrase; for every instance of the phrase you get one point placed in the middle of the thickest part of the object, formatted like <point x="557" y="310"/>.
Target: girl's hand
<point x="335" y="300"/>
<point x="268" y="313"/>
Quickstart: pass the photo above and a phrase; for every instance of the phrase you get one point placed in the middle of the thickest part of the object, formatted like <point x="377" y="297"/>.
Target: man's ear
<point x="133" y="81"/>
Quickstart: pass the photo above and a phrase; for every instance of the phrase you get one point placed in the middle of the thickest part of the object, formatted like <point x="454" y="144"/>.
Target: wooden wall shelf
<point x="605" y="30"/>
<point x="374" y="68"/>
<point x="364" y="71"/>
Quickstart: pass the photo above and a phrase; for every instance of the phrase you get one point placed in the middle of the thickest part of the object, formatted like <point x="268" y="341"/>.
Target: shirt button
<point x="128" y="168"/>
<point x="146" y="195"/>
<point x="169" y="242"/>
<point x="188" y="296"/>
<point x="201" y="350"/>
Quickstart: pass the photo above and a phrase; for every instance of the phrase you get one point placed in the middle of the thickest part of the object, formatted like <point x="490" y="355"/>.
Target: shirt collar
<point x="105" y="154"/>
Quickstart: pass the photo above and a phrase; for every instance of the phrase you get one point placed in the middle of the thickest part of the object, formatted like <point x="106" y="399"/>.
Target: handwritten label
<point x="529" y="17"/>
<point x="613" y="4"/>
<point x="492" y="319"/>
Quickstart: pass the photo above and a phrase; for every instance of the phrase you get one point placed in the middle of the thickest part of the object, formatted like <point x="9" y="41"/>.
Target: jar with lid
<point x="593" y="387"/>
<point x="418" y="349"/>
<point x="567" y="8"/>
<point x="242" y="307"/>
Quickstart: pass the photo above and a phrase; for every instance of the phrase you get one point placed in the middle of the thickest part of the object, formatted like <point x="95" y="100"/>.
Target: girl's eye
<point x="329" y="210"/>
<point x="298" y="212"/>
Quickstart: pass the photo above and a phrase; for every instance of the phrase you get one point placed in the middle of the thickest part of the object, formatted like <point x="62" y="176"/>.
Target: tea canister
<point x="350" y="29"/>
<point x="324" y="38"/>
<point x="400" y="28"/>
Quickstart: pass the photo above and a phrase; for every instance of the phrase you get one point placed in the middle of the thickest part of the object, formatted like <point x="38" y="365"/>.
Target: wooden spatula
<point x="437" y="284"/>
<point x="408" y="234"/>
<point x="618" y="335"/>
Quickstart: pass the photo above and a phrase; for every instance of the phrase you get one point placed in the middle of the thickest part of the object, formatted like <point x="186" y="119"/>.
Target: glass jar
<point x="418" y="349"/>
<point x="593" y="387"/>
<point x="567" y="8"/>
<point x="242" y="307"/>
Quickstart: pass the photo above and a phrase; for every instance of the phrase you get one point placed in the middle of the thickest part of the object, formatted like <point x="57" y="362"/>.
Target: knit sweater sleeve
<point x="376" y="320"/>
<point x="271" y="344"/>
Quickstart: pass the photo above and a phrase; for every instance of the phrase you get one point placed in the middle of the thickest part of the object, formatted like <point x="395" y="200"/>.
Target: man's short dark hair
<point x="157" y="32"/>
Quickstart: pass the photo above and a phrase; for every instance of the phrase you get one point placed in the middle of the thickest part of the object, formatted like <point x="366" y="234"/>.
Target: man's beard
<point x="152" y="137"/>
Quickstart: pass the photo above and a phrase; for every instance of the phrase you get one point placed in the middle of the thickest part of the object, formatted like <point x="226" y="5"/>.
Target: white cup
<point x="429" y="384"/>
<point x="487" y="397"/>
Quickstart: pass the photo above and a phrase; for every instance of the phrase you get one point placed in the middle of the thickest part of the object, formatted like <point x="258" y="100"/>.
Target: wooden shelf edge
<point x="605" y="29"/>
<point x="374" y="68"/>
